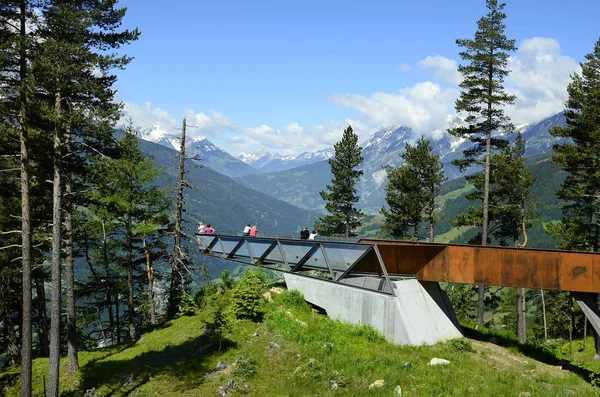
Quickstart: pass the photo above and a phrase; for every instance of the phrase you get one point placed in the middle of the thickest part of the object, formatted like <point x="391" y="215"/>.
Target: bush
<point x="245" y="366"/>
<point x="293" y="298"/>
<point x="227" y="279"/>
<point x="247" y="299"/>
<point x="462" y="345"/>
<point x="204" y="293"/>
<point x="187" y="305"/>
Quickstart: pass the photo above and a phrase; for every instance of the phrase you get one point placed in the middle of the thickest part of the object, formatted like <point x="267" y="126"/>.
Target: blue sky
<point x="289" y="75"/>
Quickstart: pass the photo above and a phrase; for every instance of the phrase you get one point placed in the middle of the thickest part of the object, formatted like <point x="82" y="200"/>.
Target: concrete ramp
<point x="418" y="314"/>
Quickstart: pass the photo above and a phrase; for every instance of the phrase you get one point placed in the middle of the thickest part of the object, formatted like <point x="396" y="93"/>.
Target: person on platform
<point x="304" y="233"/>
<point x="247" y="230"/>
<point x="209" y="229"/>
<point x="253" y="231"/>
<point x="313" y="234"/>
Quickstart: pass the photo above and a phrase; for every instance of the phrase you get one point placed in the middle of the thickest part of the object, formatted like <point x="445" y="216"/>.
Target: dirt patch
<point x="503" y="359"/>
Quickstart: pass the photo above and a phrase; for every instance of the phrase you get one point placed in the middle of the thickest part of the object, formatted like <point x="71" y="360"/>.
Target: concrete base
<point x="419" y="314"/>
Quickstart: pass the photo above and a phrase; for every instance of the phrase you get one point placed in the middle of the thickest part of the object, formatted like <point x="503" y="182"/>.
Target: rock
<point x="596" y="356"/>
<point x="255" y="332"/>
<point x="90" y="392"/>
<point x="438" y="361"/>
<point x="333" y="385"/>
<point x="302" y="323"/>
<point x="288" y="313"/>
<point x="231" y="384"/>
<point x="378" y="384"/>
<point x="277" y="290"/>
<point x="314" y="310"/>
<point x="222" y="391"/>
<point x="524" y="394"/>
<point x="267" y="296"/>
<point x="221" y="365"/>
<point x="274" y="346"/>
<point x="312" y="362"/>
<point x="494" y="340"/>
<point x="398" y="391"/>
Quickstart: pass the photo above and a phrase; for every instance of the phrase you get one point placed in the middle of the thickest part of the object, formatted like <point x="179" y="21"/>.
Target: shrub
<point x="245" y="366"/>
<point x="204" y="293"/>
<point x="227" y="279"/>
<point x="293" y="298"/>
<point x="462" y="345"/>
<point x="187" y="306"/>
<point x="247" y="299"/>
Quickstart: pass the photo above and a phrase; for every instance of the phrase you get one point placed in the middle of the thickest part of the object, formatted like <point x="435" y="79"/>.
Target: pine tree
<point x="411" y="191"/>
<point x="126" y="199"/>
<point x="482" y="99"/>
<point x="580" y="158"/>
<point x="341" y="196"/>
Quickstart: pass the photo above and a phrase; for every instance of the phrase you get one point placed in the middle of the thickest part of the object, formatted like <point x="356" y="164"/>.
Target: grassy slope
<point x="165" y="362"/>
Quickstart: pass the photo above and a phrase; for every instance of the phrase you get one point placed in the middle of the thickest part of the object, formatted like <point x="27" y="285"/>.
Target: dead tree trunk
<point x="176" y="284"/>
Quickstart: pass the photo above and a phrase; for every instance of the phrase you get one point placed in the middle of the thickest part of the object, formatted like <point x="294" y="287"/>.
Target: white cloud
<point x="292" y="139"/>
<point x="423" y="107"/>
<point x="443" y="68"/>
<point x="539" y="78"/>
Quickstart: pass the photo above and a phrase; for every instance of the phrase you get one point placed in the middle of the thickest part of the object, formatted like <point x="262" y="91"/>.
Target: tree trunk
<point x="175" y="289"/>
<point x="70" y="261"/>
<point x="102" y="334"/>
<point x="130" y="306"/>
<point x="521" y="315"/>
<point x="42" y="316"/>
<point x="107" y="284"/>
<point x="150" y="275"/>
<point x="117" y="318"/>
<point x="26" y="325"/>
<point x="111" y="319"/>
<point x="486" y="192"/>
<point x="53" y="376"/>
<point x="432" y="221"/>
<point x="544" y="317"/>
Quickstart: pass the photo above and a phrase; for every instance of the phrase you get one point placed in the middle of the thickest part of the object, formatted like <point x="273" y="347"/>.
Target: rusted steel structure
<point x="499" y="266"/>
<point x="383" y="267"/>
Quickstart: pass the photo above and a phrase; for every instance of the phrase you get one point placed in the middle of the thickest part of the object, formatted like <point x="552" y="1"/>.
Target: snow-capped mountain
<point x="209" y="154"/>
<point x="301" y="186"/>
<point x="264" y="161"/>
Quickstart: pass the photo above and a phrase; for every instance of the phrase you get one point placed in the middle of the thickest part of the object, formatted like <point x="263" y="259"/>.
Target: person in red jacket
<point x="253" y="231"/>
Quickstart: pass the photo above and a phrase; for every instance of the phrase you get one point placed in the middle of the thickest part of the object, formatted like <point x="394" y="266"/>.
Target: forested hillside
<point x="452" y="202"/>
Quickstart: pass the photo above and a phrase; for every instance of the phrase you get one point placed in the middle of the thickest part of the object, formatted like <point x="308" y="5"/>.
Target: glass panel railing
<point x="229" y="243"/>
<point x="294" y="251"/>
<point x="259" y="247"/>
<point x="342" y="256"/>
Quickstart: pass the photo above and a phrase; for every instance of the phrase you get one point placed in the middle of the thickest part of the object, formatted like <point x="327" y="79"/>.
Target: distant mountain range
<point x="298" y="179"/>
<point x="264" y="161"/>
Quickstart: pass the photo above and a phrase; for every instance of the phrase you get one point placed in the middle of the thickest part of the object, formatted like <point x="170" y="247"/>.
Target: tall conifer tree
<point x="579" y="156"/>
<point x="411" y="191"/>
<point x="482" y="99"/>
<point x="341" y="196"/>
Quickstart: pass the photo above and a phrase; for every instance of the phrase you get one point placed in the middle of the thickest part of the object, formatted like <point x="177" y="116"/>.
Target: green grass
<point x="452" y="234"/>
<point x="167" y="362"/>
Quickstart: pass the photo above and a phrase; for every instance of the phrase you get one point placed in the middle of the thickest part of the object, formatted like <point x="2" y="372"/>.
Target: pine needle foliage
<point x="580" y="158"/>
<point x="411" y="192"/>
<point x="341" y="196"/>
